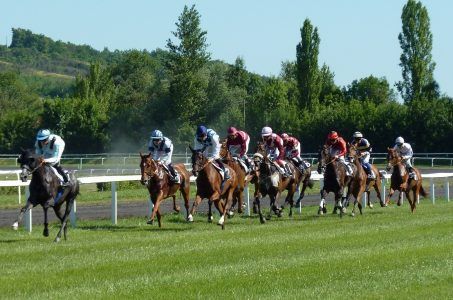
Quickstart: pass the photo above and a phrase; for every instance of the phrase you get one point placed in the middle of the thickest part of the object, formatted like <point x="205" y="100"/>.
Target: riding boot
<point x="173" y="174"/>
<point x="288" y="172"/>
<point x="412" y="173"/>
<point x="63" y="174"/>
<point x="225" y="170"/>
<point x="369" y="171"/>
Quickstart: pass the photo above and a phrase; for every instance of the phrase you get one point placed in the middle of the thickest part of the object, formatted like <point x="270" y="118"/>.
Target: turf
<point x="385" y="253"/>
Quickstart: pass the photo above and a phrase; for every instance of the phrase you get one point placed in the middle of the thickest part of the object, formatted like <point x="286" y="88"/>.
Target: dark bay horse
<point x="209" y="186"/>
<point x="272" y="183"/>
<point x="45" y="190"/>
<point x="335" y="180"/>
<point x="301" y="176"/>
<point x="160" y="187"/>
<point x="401" y="182"/>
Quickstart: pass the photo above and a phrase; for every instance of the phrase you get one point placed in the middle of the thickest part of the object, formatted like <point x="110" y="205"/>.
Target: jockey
<point x="364" y="148"/>
<point x="238" y="144"/>
<point x="161" y="149"/>
<point x="406" y="153"/>
<point x="292" y="149"/>
<point x="51" y="147"/>
<point x="209" y="139"/>
<point x="274" y="148"/>
<point x="337" y="149"/>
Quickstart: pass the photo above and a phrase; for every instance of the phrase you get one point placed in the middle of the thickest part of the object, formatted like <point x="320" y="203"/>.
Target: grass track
<point x="386" y="253"/>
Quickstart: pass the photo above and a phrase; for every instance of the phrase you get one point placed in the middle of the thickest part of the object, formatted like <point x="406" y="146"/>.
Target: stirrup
<point x="65" y="184"/>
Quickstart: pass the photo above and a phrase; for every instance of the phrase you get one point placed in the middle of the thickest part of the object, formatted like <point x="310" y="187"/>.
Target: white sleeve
<point x="57" y="152"/>
<point x="197" y="145"/>
<point x="215" y="146"/>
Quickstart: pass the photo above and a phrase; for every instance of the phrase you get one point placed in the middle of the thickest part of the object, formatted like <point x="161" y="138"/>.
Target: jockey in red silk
<point x="238" y="144"/>
<point x="292" y="149"/>
<point x="337" y="149"/>
<point x="274" y="148"/>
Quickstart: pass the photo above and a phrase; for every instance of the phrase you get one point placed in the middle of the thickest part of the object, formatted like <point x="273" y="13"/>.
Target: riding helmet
<point x="231" y="130"/>
<point x="266" y="131"/>
<point x="333" y="135"/>
<point x="357" y="134"/>
<point x="201" y="130"/>
<point x="399" y="140"/>
<point x="43" y="134"/>
<point x="157" y="135"/>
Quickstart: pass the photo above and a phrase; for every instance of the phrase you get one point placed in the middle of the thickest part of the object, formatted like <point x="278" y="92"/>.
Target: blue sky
<point x="358" y="38"/>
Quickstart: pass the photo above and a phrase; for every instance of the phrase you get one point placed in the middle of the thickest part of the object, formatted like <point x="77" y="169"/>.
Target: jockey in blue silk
<point x="51" y="147"/>
<point x="406" y="153"/>
<point x="209" y="139"/>
<point x="161" y="149"/>
<point x="364" y="148"/>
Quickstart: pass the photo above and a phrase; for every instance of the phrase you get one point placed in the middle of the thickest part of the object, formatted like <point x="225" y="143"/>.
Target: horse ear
<point x="190" y="147"/>
<point x="141" y="155"/>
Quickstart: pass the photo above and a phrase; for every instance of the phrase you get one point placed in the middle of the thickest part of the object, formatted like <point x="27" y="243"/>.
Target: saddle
<point x="220" y="170"/>
<point x="60" y="178"/>
<point x="242" y="164"/>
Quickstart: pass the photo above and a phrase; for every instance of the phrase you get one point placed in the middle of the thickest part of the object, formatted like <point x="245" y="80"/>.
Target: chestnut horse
<point x="209" y="185"/>
<point x="45" y="190"/>
<point x="238" y="196"/>
<point x="301" y="176"/>
<point x="335" y="180"/>
<point x="157" y="180"/>
<point x="272" y="183"/>
<point x="401" y="182"/>
<point x="358" y="182"/>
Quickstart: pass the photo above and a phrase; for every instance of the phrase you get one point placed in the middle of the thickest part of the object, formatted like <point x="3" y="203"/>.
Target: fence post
<point x="114" y="203"/>
<point x="73" y="214"/>
<point x="433" y="195"/>
<point x="447" y="189"/>
<point x="247" y="198"/>
<point x="28" y="213"/>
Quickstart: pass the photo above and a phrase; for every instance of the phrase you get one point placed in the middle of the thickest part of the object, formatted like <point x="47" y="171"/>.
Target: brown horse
<point x="301" y="176"/>
<point x="358" y="183"/>
<point x="375" y="182"/>
<point x="210" y="186"/>
<point x="401" y="182"/>
<point x="335" y="181"/>
<point x="272" y="183"/>
<point x="238" y="195"/>
<point x="157" y="180"/>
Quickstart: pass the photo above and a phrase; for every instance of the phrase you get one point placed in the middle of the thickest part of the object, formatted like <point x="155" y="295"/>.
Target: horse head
<point x="198" y="160"/>
<point x="353" y="152"/>
<point x="393" y="158"/>
<point x="260" y="148"/>
<point x="323" y="157"/>
<point x="224" y="152"/>
<point x="29" y="162"/>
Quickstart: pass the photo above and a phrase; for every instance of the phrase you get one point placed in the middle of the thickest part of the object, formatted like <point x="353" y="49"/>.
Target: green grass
<point x="385" y="253"/>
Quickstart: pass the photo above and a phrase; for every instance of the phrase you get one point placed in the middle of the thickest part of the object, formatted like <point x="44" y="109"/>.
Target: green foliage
<point x="370" y="88"/>
<point x="416" y="41"/>
<point x="307" y="65"/>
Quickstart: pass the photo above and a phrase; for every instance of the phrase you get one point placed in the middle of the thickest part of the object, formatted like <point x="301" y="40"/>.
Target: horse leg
<point x="377" y="188"/>
<point x="301" y="194"/>
<point x="227" y="207"/>
<point x="400" y="198"/>
<point x="64" y="221"/>
<point x="24" y="209"/>
<point x="194" y="207"/>
<point x="289" y="199"/>
<point x="322" y="205"/>
<point x="220" y="208"/>
<point x="46" y="222"/>
<point x="389" y="195"/>
<point x="257" y="204"/>
<point x="156" y="202"/>
<point x="185" y="196"/>
<point x="210" y="217"/>
<point x="176" y="208"/>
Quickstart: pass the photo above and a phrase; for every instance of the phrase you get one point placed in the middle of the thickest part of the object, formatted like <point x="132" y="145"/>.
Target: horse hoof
<point x="343" y="210"/>
<point x="324" y="209"/>
<point x="268" y="217"/>
<point x="320" y="212"/>
<point x="262" y="220"/>
<point x="57" y="240"/>
<point x="15" y="226"/>
<point x="352" y="214"/>
<point x="176" y="209"/>
<point x="297" y="204"/>
<point x="45" y="232"/>
<point x="230" y="214"/>
<point x="150" y="222"/>
<point x="190" y="218"/>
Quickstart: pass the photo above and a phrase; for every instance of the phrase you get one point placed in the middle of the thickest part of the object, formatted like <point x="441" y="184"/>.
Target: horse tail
<point x="423" y="192"/>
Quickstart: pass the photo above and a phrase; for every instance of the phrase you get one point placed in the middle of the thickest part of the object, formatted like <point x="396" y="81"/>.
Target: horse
<point x="335" y="180"/>
<point x="301" y="176"/>
<point x="45" y="189"/>
<point x="238" y="196"/>
<point x="210" y="186"/>
<point x="375" y="182"/>
<point x="272" y="183"/>
<point x="400" y="180"/>
<point x="160" y="187"/>
<point x="358" y="182"/>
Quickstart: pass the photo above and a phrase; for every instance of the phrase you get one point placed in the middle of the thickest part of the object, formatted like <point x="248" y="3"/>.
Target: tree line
<point x="115" y="99"/>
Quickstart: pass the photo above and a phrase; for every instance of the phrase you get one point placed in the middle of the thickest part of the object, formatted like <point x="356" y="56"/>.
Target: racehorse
<point x="234" y="163"/>
<point x="272" y="183"/>
<point x="335" y="180"/>
<point x="160" y="187"/>
<point x="400" y="180"/>
<point x="301" y="176"/>
<point x="375" y="182"/>
<point x="45" y="189"/>
<point x="210" y="186"/>
<point x="358" y="182"/>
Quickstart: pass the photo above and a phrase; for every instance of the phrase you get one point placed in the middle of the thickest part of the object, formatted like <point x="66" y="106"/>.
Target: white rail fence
<point x="114" y="201"/>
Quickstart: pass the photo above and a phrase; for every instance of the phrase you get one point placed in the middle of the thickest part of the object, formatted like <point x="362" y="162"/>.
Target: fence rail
<point x="114" y="179"/>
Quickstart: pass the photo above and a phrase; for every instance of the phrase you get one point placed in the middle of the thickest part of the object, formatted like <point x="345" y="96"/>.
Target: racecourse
<point x="385" y="253"/>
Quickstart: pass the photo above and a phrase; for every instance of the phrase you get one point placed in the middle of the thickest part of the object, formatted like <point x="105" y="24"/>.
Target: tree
<point x="307" y="65"/>
<point x="370" y="88"/>
<point x="185" y="63"/>
<point x="416" y="62"/>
